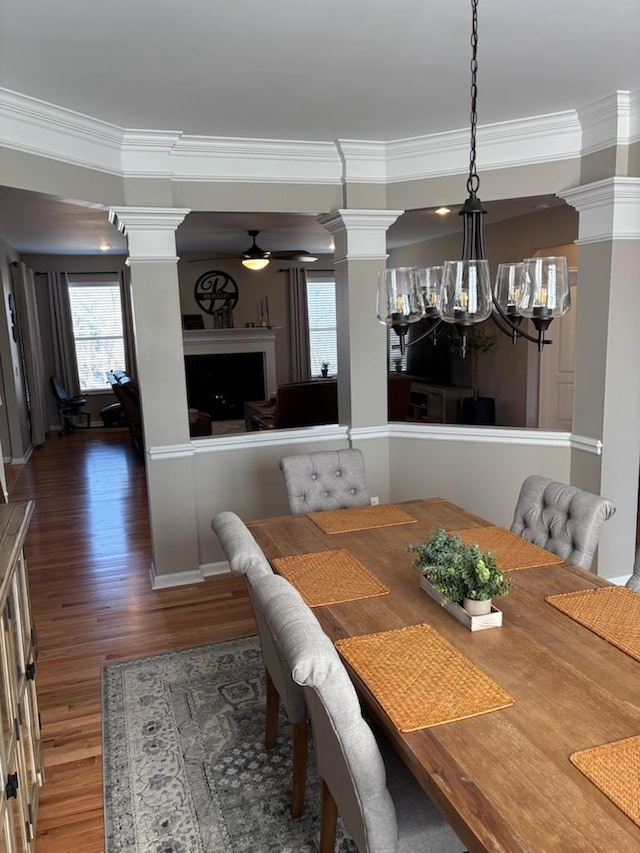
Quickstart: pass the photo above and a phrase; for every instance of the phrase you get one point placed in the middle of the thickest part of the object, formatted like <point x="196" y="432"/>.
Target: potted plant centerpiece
<point x="324" y="369"/>
<point x="462" y="574"/>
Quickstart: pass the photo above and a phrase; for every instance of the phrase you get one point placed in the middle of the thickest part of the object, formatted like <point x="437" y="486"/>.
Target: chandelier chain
<point x="473" y="182"/>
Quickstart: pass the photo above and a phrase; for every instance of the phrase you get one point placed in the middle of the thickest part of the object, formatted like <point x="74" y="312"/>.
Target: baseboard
<point x="210" y="569"/>
<point x="174" y="579"/>
<point x="619" y="581"/>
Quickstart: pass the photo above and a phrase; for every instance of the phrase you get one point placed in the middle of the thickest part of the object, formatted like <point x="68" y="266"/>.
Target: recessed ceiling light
<point x="442" y="211"/>
<point x="104" y="247"/>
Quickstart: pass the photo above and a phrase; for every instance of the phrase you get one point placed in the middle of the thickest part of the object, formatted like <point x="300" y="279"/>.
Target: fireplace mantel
<point x="246" y="339"/>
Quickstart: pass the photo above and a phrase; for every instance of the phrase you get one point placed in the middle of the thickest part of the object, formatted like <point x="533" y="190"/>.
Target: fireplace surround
<point x="226" y="367"/>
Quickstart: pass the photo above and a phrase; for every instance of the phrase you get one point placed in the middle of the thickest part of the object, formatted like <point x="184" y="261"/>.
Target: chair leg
<point x="273" y="705"/>
<point x="328" y="819"/>
<point x="299" y="768"/>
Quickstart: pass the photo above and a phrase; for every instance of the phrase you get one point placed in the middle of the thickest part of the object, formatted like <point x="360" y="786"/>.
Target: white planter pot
<point x="477" y="608"/>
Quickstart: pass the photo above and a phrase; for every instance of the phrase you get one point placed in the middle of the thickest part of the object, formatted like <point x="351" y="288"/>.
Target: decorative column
<point x="360" y="252"/>
<point x="606" y="391"/>
<point x="161" y="375"/>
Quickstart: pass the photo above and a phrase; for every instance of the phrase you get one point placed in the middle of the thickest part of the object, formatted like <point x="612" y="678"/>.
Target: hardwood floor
<point x="88" y="556"/>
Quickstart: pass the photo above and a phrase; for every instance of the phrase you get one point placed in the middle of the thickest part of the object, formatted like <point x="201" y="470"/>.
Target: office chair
<point x="69" y="407"/>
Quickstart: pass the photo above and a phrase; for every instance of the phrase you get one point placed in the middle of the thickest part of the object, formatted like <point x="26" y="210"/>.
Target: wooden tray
<point x="473" y="623"/>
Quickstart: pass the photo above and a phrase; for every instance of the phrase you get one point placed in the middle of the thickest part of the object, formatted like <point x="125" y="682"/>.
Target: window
<point x="323" y="334"/>
<point x="96" y="312"/>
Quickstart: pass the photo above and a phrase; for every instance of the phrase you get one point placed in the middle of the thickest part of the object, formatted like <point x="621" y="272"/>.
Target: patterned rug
<point x="185" y="768"/>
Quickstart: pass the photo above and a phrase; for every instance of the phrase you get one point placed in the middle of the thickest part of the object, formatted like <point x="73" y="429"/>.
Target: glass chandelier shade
<point x="544" y="288"/>
<point x="465" y="296"/>
<point x="400" y="299"/>
<point x="508" y="285"/>
<point x="430" y="281"/>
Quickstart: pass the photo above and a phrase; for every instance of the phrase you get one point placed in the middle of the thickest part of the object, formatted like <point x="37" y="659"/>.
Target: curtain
<point x="65" y="365"/>
<point x="127" y="323"/>
<point x="30" y="341"/>
<point x="298" y="325"/>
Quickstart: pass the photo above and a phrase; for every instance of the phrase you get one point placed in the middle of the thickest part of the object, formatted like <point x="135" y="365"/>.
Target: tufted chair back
<point x="563" y="519"/>
<point x="381" y="804"/>
<point x="634" y="581"/>
<point x="328" y="479"/>
<point x="247" y="558"/>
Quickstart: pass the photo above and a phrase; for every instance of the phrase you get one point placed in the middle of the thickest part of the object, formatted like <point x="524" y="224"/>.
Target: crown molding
<point x="363" y="162"/>
<point x="204" y="158"/>
<point x="606" y="122"/>
<point x="44" y="129"/>
<point x="634" y="117"/>
<point x="521" y="142"/>
<point x="147" y="153"/>
<point x="36" y="127"/>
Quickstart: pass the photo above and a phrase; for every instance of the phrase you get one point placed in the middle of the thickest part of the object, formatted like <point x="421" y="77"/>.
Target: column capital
<point x="147" y="218"/>
<point x="609" y="209"/>
<point x="150" y="231"/>
<point x="363" y="233"/>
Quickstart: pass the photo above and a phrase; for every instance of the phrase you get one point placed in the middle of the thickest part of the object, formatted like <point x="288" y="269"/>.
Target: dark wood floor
<point x="88" y="555"/>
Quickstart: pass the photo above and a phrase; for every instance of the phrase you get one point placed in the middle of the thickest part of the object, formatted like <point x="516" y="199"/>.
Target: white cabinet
<point x="21" y="760"/>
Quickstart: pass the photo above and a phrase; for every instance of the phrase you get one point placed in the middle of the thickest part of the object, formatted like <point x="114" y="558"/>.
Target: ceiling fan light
<point x="255" y="263"/>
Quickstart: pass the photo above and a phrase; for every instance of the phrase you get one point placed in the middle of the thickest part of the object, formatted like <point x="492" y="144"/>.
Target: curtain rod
<point x="77" y="272"/>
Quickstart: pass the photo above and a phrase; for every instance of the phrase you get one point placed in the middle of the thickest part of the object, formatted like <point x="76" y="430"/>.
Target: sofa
<point x="315" y="402"/>
<point x="127" y="394"/>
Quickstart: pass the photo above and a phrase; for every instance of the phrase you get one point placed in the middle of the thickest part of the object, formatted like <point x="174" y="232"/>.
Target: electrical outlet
<point x="375" y="501"/>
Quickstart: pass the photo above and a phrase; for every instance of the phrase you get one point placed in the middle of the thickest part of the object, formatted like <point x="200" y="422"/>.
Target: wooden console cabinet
<point x="21" y="759"/>
<point x="439" y="404"/>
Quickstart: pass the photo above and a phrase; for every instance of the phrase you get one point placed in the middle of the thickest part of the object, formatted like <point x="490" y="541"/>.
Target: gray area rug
<point x="185" y="768"/>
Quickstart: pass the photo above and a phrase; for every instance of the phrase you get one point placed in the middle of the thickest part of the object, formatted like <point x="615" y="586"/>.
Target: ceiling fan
<point x="257" y="258"/>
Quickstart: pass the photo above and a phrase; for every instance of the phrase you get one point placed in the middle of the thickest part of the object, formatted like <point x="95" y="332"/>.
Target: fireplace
<point x="226" y="367"/>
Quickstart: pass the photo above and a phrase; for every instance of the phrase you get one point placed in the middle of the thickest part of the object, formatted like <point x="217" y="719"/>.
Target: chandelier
<point x="459" y="292"/>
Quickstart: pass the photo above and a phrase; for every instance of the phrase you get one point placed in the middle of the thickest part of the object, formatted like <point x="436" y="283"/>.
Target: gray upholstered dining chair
<point x="382" y="806"/>
<point x="246" y="557"/>
<point x="327" y="479"/>
<point x="561" y="518"/>
<point x="634" y="581"/>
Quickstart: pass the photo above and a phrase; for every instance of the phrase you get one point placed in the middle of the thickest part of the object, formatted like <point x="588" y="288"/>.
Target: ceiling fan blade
<point x="294" y="255"/>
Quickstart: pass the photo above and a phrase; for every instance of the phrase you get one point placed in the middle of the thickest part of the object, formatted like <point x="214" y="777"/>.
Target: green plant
<point x="457" y="570"/>
<point x="479" y="341"/>
<point x="325" y="365"/>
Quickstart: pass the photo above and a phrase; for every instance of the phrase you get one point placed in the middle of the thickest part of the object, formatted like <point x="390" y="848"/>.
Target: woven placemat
<point x="511" y="551"/>
<point x="360" y="518"/>
<point x="420" y="679"/>
<point x="329" y="577"/>
<point x="611" y="612"/>
<point x="615" y="769"/>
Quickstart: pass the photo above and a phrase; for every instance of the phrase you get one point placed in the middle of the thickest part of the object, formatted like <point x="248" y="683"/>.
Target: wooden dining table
<point x="503" y="779"/>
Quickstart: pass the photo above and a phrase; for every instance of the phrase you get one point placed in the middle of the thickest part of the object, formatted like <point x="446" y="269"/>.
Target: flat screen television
<point x="426" y="360"/>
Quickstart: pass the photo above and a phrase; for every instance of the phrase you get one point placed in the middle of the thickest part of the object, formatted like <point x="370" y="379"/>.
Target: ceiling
<point x="298" y="70"/>
<point x="291" y="69"/>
